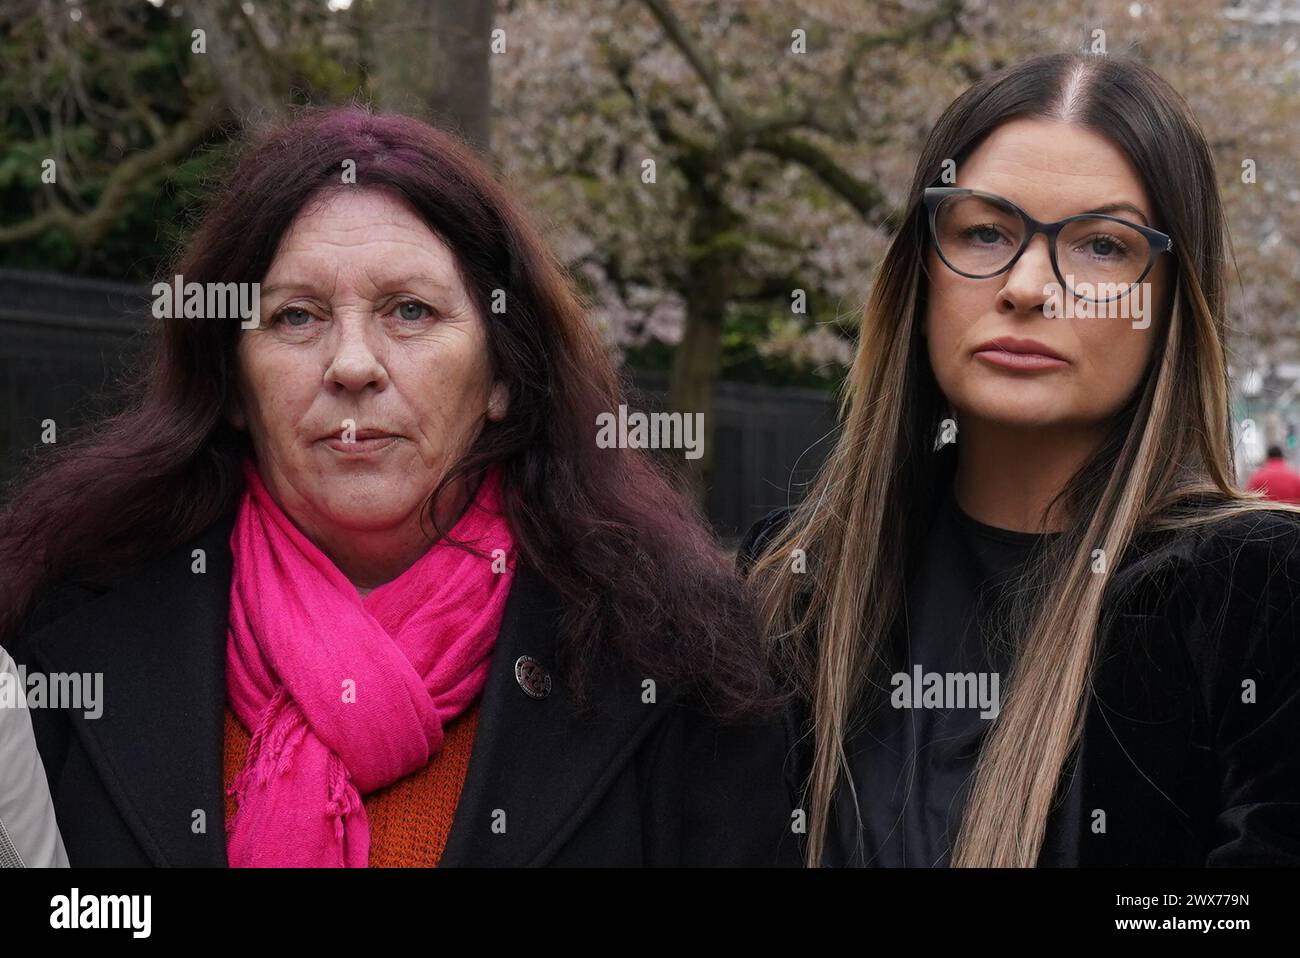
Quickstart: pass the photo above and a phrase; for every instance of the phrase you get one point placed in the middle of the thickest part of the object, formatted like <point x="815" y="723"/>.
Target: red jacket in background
<point x="1277" y="481"/>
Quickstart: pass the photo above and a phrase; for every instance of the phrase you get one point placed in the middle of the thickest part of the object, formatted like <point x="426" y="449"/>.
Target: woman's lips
<point x="1024" y="354"/>
<point x="1008" y="360"/>
<point x="360" y="447"/>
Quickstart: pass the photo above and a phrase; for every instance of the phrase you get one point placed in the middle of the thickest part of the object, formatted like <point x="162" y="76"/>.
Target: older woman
<point x="362" y="586"/>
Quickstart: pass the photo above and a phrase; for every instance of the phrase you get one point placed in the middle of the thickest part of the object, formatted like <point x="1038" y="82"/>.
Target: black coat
<point x="1186" y="773"/>
<point x="638" y="784"/>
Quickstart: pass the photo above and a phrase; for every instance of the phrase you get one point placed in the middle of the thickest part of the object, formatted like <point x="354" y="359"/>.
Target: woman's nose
<point x="1030" y="281"/>
<point x="355" y="364"/>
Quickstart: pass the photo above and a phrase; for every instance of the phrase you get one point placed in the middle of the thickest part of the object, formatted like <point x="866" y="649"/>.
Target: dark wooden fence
<point x="65" y="341"/>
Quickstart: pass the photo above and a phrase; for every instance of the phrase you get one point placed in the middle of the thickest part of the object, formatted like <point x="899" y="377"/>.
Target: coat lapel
<point x="159" y="637"/>
<point x="536" y="768"/>
<point x="159" y="640"/>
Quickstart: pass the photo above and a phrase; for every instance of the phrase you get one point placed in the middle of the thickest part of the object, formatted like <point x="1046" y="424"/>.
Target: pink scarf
<point x="346" y="694"/>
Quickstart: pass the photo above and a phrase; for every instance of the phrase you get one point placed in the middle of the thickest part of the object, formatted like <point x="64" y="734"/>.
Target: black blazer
<point x="1185" y="772"/>
<point x="639" y="784"/>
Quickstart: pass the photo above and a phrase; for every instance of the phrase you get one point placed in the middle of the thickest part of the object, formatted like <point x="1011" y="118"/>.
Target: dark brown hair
<point x="612" y="530"/>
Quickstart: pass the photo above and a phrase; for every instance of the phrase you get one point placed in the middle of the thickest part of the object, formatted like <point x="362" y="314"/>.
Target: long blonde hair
<point x="1166" y="462"/>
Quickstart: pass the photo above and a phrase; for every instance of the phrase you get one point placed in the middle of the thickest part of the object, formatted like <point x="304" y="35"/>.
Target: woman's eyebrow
<point x="413" y="279"/>
<point x="1120" y="208"/>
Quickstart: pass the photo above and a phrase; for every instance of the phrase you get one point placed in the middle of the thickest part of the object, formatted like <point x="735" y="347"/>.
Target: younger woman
<point x="1030" y="618"/>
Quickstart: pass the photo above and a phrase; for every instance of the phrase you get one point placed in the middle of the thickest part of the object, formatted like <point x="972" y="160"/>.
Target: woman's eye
<point x="412" y="311"/>
<point x="1104" y="245"/>
<point x="982" y="234"/>
<point x="293" y="316"/>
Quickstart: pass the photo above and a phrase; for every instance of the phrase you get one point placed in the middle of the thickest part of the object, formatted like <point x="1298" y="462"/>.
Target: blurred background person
<point x="1275" y="479"/>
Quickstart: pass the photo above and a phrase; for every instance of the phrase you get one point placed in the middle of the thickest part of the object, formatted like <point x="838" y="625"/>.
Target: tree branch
<point x="773" y="133"/>
<point x="702" y="63"/>
<point x="89" y="228"/>
<point x="866" y="198"/>
<point x="920" y="26"/>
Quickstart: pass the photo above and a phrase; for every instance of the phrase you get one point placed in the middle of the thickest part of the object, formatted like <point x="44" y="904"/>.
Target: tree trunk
<point x="713" y="264"/>
<point x="433" y="61"/>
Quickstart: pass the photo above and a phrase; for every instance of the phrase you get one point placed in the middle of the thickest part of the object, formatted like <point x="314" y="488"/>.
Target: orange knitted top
<point x="409" y="819"/>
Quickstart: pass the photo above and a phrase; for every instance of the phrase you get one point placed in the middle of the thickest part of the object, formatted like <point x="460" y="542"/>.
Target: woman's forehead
<point x="349" y="216"/>
<point x="363" y="232"/>
<point x="1053" y="169"/>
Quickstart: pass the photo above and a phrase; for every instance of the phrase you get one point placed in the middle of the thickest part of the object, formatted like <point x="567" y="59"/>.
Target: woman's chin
<point x="372" y="509"/>
<point x="354" y="520"/>
<point x="1022" y="400"/>
<point x="1026" y="412"/>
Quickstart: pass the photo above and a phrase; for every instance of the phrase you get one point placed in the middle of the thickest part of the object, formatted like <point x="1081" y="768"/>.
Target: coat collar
<point x="159" y="639"/>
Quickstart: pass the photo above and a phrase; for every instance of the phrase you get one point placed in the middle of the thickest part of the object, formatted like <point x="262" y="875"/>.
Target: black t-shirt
<point x="912" y="756"/>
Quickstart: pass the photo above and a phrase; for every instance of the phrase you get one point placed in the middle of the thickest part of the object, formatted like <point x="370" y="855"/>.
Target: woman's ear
<point x="498" y="402"/>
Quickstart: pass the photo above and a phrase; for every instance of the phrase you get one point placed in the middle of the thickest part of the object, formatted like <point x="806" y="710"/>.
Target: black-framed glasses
<point x="1095" y="256"/>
